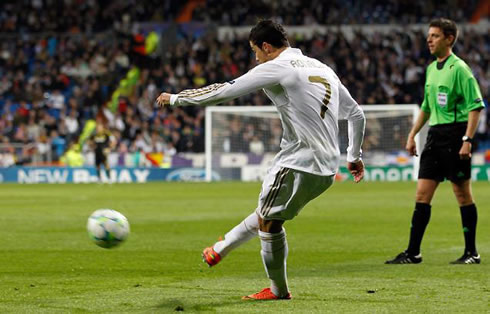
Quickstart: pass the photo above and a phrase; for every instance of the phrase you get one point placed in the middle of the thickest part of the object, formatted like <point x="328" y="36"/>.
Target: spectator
<point x="58" y="144"/>
<point x="56" y="100"/>
<point x="71" y="125"/>
<point x="43" y="147"/>
<point x="256" y="146"/>
<point x="7" y="153"/>
<point x="72" y="157"/>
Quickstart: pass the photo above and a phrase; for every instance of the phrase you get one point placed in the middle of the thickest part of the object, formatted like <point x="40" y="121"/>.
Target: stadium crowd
<point x="336" y="12"/>
<point x="52" y="83"/>
<point x="82" y="16"/>
<point x="91" y="16"/>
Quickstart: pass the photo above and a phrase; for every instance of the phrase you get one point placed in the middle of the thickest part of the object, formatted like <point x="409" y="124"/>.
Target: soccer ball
<point x="107" y="228"/>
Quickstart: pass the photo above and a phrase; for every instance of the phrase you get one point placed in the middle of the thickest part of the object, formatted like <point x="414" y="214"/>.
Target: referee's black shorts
<point x="440" y="157"/>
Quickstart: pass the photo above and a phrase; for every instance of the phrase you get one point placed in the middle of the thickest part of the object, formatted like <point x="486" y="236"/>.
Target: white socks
<point x="274" y="250"/>
<point x="274" y="253"/>
<point x="243" y="232"/>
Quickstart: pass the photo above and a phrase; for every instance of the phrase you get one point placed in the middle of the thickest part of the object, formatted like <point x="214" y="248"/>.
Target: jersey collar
<point x="290" y="51"/>
<point x="440" y="65"/>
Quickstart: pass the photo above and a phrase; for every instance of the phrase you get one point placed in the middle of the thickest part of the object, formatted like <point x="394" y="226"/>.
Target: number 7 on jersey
<point x="328" y="92"/>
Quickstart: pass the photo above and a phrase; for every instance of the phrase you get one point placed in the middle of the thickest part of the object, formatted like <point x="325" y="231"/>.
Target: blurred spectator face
<point x="437" y="42"/>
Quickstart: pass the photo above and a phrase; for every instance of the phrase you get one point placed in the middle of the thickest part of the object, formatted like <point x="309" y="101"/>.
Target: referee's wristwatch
<point x="468" y="139"/>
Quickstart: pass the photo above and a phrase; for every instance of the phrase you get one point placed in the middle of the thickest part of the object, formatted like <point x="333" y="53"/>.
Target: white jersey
<point x="310" y="100"/>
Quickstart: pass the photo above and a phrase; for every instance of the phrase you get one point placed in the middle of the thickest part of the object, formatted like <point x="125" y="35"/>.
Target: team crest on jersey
<point x="442" y="99"/>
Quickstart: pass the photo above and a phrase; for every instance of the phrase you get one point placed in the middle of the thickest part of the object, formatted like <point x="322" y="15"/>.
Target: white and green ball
<point x="107" y="228"/>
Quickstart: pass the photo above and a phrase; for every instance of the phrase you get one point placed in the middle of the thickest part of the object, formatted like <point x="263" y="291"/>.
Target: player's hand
<point x="465" y="151"/>
<point x="411" y="147"/>
<point x="163" y="100"/>
<point x="356" y="169"/>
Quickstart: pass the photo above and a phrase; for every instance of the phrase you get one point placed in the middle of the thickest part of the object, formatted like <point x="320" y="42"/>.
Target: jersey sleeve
<point x="350" y="110"/>
<point x="470" y="89"/>
<point x="262" y="76"/>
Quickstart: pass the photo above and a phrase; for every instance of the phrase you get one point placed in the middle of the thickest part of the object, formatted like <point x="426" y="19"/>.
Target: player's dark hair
<point x="270" y="32"/>
<point x="447" y="26"/>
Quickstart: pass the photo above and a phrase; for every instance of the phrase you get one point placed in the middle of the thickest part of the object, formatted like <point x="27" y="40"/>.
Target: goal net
<point x="241" y="142"/>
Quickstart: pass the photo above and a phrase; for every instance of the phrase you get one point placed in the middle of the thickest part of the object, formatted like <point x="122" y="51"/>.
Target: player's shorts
<point x="440" y="157"/>
<point x="286" y="191"/>
<point x="100" y="158"/>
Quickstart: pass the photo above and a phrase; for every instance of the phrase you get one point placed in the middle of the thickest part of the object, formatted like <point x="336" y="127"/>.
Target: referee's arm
<point x="411" y="147"/>
<point x="473" y="118"/>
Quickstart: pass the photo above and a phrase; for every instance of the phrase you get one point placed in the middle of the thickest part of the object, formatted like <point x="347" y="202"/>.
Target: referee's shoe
<point x="468" y="258"/>
<point x="405" y="258"/>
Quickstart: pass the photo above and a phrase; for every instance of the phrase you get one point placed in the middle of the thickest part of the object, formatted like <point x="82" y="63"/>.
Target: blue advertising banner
<point x="31" y="175"/>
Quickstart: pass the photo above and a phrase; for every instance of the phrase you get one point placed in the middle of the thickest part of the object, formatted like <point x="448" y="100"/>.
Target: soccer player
<point x="452" y="104"/>
<point x="310" y="99"/>
<point x="102" y="146"/>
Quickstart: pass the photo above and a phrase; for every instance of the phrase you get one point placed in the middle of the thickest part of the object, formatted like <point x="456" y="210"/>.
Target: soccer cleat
<point x="266" y="294"/>
<point x="210" y="257"/>
<point x="405" y="258"/>
<point x="468" y="258"/>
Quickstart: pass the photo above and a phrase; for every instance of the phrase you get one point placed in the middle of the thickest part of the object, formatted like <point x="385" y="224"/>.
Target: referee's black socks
<point x="420" y="219"/>
<point x="469" y="218"/>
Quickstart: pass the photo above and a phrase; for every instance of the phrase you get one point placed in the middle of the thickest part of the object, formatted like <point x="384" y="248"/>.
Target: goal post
<point x="241" y="141"/>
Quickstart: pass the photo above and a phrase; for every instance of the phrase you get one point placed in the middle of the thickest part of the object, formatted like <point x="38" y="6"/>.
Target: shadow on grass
<point x="185" y="305"/>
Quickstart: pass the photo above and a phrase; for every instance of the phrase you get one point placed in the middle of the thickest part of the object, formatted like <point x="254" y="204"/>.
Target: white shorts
<point x="286" y="191"/>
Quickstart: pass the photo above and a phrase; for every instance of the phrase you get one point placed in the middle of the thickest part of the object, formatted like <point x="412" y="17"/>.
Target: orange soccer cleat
<point x="210" y="257"/>
<point x="266" y="294"/>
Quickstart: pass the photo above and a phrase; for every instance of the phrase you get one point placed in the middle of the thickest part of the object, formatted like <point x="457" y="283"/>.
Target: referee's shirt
<point x="451" y="92"/>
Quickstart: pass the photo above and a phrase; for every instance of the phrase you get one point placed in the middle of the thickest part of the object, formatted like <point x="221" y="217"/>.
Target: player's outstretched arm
<point x="262" y="76"/>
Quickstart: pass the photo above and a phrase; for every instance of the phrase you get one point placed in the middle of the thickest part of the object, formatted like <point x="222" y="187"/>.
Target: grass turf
<point x="337" y="248"/>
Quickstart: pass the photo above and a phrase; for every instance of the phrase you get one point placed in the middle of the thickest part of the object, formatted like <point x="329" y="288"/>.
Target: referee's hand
<point x="465" y="151"/>
<point x="411" y="147"/>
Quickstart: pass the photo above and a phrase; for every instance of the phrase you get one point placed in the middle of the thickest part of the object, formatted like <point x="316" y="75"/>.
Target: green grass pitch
<point x="337" y="244"/>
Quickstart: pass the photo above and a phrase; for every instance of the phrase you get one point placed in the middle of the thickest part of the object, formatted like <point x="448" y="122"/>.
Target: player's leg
<point x="244" y="231"/>
<point x="106" y="169"/>
<point x="98" y="163"/>
<point x="241" y="233"/>
<point x="289" y="193"/>
<point x="469" y="217"/>
<point x="274" y="254"/>
<point x="99" y="175"/>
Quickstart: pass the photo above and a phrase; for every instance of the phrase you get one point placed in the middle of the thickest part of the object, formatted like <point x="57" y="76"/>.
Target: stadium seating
<point x="86" y="58"/>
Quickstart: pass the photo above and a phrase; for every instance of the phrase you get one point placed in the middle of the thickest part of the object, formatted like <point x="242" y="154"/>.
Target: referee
<point x="452" y="104"/>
